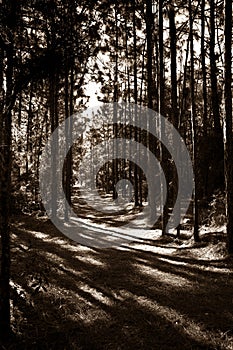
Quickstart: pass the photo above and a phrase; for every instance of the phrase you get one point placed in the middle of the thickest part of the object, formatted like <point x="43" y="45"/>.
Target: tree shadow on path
<point x="114" y="299"/>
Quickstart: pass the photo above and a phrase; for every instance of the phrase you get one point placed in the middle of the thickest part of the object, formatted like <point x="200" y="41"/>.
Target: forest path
<point x="158" y="294"/>
<point x="103" y="228"/>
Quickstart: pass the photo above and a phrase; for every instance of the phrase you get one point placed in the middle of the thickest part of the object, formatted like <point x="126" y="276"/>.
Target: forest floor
<point x="163" y="293"/>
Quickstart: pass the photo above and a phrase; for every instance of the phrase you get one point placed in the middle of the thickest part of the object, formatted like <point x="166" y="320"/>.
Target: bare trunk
<point x="136" y="184"/>
<point x="5" y="190"/>
<point x="174" y="105"/>
<point x="213" y="75"/>
<point x="194" y="127"/>
<point x="115" y="98"/>
<point x="228" y="109"/>
<point x="203" y="63"/>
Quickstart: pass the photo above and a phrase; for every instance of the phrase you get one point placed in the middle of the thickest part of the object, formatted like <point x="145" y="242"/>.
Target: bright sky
<point x="92" y="89"/>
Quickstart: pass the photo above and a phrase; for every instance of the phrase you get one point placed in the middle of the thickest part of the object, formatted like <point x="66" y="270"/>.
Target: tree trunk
<point x="228" y="110"/>
<point x="66" y="166"/>
<point x="149" y="27"/>
<point x="149" y="66"/>
<point x="163" y="151"/>
<point x="194" y="126"/>
<point x="136" y="178"/>
<point x="213" y="75"/>
<point x="203" y="64"/>
<point x="10" y="8"/>
<point x="115" y="99"/>
<point x="174" y="105"/>
<point x="204" y="89"/>
<point x="53" y="121"/>
<point x="140" y="136"/>
<point x="29" y="131"/>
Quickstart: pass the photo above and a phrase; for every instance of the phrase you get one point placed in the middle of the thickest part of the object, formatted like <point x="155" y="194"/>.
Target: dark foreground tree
<point x="8" y="19"/>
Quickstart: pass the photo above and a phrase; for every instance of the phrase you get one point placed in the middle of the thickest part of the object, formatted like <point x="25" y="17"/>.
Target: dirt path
<point x="159" y="294"/>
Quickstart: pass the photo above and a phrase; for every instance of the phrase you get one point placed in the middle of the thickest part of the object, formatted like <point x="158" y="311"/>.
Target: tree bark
<point x="5" y="175"/>
<point x="194" y="126"/>
<point x="115" y="99"/>
<point x="163" y="151"/>
<point x="174" y="104"/>
<point x="203" y="64"/>
<point x="149" y="27"/>
<point x="228" y="118"/>
<point x="213" y="73"/>
<point x="136" y="178"/>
